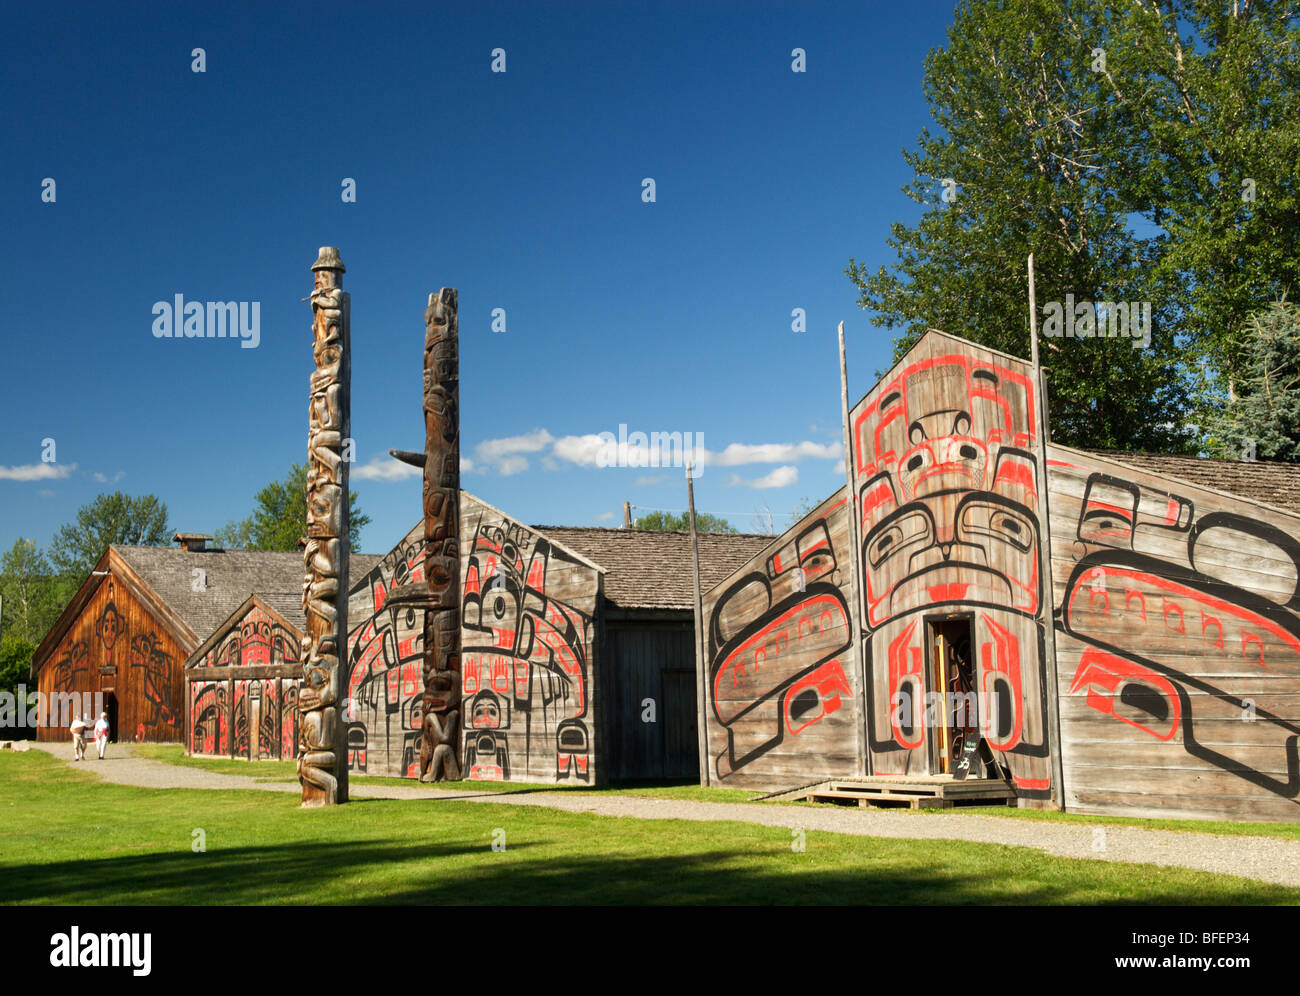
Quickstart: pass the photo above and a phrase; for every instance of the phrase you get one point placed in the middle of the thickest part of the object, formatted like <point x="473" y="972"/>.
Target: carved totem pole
<point x="440" y="740"/>
<point x="322" y="758"/>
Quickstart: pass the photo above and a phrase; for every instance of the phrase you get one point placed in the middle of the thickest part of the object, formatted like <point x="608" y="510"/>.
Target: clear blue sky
<point x="523" y="189"/>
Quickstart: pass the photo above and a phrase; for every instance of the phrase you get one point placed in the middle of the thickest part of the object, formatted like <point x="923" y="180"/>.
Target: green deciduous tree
<point x="109" y="519"/>
<point x="681" y="522"/>
<point x="1067" y="126"/>
<point x="33" y="594"/>
<point x="280" y="517"/>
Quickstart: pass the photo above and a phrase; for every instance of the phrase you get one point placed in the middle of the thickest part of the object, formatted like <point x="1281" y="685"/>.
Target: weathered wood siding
<point x="115" y="647"/>
<point x="782" y="681"/>
<point x="1178" y="645"/>
<point x="243" y="692"/>
<point x="648" y="672"/>
<point x="385" y="657"/>
<point x="529" y="654"/>
<point x="943" y="459"/>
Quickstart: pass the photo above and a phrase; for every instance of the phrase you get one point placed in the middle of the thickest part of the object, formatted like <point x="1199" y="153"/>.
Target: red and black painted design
<point x="1154" y="596"/>
<point x="524" y="659"/>
<point x="147" y="655"/>
<point x="948" y="489"/>
<point x="385" y="661"/>
<point x="777" y="639"/>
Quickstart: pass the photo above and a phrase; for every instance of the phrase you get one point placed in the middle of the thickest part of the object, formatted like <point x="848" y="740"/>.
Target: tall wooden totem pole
<point x="322" y="757"/>
<point x="440" y="740"/>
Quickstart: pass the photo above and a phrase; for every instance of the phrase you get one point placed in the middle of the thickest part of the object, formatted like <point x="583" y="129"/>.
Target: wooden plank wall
<point x="782" y="679"/>
<point x="1178" y="645"/>
<point x="944" y="466"/>
<point x="116" y="647"/>
<point x="650" y="666"/>
<point x="385" y="687"/>
<point x="243" y="693"/>
<point x="529" y="654"/>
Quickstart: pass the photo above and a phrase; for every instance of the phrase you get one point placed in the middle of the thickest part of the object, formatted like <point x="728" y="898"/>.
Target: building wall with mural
<point x="947" y="481"/>
<point x="782" y="684"/>
<point x="118" y="649"/>
<point x="529" y="650"/>
<point x="1178" y="645"/>
<point x="385" y="662"/>
<point x="242" y="687"/>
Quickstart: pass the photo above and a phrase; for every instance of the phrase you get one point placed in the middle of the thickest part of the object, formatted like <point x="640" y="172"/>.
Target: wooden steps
<point x="907" y="792"/>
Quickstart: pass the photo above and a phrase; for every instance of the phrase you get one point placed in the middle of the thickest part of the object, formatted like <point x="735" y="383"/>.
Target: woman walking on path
<point x="101" y="734"/>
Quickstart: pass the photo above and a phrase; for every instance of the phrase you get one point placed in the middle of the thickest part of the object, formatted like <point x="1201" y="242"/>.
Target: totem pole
<point x="440" y="740"/>
<point x="322" y="764"/>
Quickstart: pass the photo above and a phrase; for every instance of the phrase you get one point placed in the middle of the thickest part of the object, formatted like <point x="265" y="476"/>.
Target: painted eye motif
<point x="961" y="425"/>
<point x="916" y="433"/>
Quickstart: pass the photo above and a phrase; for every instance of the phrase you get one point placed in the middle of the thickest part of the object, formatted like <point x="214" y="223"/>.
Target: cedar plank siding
<point x="529" y="654"/>
<point x="385" y="666"/>
<point x="117" y="646"/>
<point x="782" y="682"/>
<point x="1178" y="645"/>
<point x="947" y="479"/>
<point x="243" y="687"/>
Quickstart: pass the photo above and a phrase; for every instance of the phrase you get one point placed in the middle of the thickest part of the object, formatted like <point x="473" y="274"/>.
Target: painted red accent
<point x="1001" y="658"/>
<point x="537" y="574"/>
<point x="948" y="592"/>
<point x="776" y="562"/>
<point x="1032" y="783"/>
<point x="1099" y="668"/>
<point x="906" y="662"/>
<point x="830" y="683"/>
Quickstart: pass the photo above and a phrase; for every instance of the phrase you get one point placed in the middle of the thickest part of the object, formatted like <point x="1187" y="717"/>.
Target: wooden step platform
<point x="905" y="791"/>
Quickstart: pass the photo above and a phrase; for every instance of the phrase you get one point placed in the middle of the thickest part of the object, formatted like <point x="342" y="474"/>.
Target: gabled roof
<point x="230" y="576"/>
<point x="647" y="569"/>
<point x="223" y="630"/>
<point x="164" y="579"/>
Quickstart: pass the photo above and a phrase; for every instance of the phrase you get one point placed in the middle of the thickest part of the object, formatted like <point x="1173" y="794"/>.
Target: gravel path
<point x="1261" y="858"/>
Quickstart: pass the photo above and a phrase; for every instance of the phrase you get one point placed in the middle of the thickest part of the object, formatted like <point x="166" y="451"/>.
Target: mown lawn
<point x="66" y="837"/>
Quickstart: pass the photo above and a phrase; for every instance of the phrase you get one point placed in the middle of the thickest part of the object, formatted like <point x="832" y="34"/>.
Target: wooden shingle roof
<point x="653" y="570"/>
<point x="230" y="577"/>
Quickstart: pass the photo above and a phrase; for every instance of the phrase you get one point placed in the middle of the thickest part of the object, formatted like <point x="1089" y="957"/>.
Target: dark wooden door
<point x="681" y="730"/>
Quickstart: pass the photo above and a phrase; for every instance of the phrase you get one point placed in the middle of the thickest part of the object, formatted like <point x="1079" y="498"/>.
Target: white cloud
<point x="738" y="454"/>
<point x="604" y="516"/>
<point x="104" y="478"/>
<point x="839" y="466"/>
<point x="585" y="451"/>
<point x="45" y="493"/>
<point x="646" y="481"/>
<point x="505" y="455"/>
<point x="466" y="465"/>
<point x="383" y="467"/>
<point x="779" y="478"/>
<point x="37" y="472"/>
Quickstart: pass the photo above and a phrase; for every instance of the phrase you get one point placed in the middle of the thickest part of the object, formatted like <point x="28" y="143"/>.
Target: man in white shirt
<point x="101" y="734"/>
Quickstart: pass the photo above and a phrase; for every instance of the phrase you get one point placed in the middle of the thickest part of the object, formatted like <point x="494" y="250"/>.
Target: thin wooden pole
<point x="702" y="734"/>
<point x="1045" y="554"/>
<point x="855" y="543"/>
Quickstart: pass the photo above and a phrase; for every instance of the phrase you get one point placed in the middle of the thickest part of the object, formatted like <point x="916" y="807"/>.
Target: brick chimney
<point x="192" y="542"/>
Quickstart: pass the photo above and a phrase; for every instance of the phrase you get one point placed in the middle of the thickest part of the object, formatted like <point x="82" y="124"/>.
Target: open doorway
<point x="952" y="707"/>
<point x="110" y="707"/>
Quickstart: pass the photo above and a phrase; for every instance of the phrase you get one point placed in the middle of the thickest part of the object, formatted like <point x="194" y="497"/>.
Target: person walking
<point x="101" y="734"/>
<point x="78" y="739"/>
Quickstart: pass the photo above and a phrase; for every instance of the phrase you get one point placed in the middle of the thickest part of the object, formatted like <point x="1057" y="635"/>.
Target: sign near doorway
<point x="967" y="757"/>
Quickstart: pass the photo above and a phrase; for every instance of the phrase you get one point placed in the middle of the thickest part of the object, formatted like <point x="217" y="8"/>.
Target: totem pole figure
<point x="440" y="739"/>
<point x="322" y="768"/>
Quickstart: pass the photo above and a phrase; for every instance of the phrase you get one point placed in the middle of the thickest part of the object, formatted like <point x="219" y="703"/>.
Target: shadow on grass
<point x="403" y="872"/>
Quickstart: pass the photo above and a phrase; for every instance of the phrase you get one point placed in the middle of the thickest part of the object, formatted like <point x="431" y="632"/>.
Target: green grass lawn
<point x="69" y="838"/>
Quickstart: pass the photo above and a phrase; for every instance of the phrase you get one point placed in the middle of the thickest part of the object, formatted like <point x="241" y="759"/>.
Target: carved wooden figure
<point x="324" y="595"/>
<point x="440" y="742"/>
